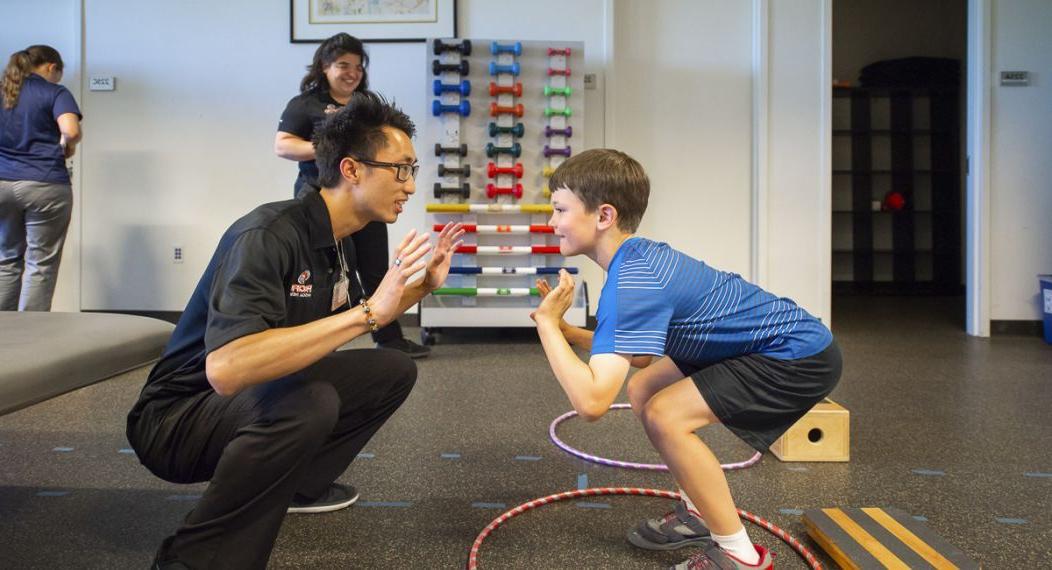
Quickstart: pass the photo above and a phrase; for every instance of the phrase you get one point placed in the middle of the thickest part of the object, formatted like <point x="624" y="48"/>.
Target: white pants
<point x="34" y="217"/>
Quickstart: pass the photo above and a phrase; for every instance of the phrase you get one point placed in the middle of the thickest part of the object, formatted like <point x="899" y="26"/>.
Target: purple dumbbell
<point x="548" y="151"/>
<point x="495" y="69"/>
<point x="437" y="67"/>
<point x="550" y="132"/>
<point x="464" y="88"/>
<point x="437" y="108"/>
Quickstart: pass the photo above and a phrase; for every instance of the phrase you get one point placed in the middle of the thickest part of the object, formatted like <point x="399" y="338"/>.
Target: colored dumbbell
<point x="492" y="170"/>
<point x="437" y="108"/>
<point x="559" y="51"/>
<point x="493" y="190"/>
<point x="549" y="151"/>
<point x="464" y="190"/>
<point x="548" y="171"/>
<point x="517" y="131"/>
<point x="438" y="67"/>
<point x="515" y="48"/>
<point x="564" y="72"/>
<point x="462" y="150"/>
<point x="439" y="47"/>
<point x="565" y="111"/>
<point x="464" y="170"/>
<point x="564" y="91"/>
<point x="546" y="191"/>
<point x="464" y="88"/>
<point x="495" y="109"/>
<point x="495" y="68"/>
<point x="493" y="150"/>
<point x="550" y="132"/>
<point x="495" y="89"/>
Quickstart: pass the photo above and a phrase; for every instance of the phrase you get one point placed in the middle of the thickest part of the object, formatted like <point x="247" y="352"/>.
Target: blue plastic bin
<point x="1046" y="304"/>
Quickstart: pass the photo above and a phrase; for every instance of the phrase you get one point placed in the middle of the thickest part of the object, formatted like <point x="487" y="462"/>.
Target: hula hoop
<point x="626" y="464"/>
<point x="472" y="564"/>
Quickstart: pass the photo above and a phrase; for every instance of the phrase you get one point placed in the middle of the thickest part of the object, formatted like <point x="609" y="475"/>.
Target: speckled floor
<point x="944" y="426"/>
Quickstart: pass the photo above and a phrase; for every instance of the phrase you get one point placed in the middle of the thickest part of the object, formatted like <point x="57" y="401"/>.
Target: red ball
<point x="894" y="201"/>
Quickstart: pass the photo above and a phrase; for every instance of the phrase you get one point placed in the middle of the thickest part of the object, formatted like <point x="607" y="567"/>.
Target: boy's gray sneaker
<point x="678" y="528"/>
<point x="714" y="557"/>
<point x="336" y="497"/>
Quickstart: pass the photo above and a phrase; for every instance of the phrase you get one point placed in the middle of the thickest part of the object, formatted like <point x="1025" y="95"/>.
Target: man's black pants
<point x="258" y="448"/>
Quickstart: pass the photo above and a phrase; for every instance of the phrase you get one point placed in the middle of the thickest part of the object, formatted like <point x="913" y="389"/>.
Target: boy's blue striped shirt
<point x="659" y="301"/>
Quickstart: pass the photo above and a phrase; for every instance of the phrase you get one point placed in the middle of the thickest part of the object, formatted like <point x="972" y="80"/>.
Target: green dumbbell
<point x="564" y="91"/>
<point x="548" y="111"/>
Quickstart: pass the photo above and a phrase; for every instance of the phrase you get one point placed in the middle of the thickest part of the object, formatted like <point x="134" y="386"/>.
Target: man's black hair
<point x="356" y="130"/>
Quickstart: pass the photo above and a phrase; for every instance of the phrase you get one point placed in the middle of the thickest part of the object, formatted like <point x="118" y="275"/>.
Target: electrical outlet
<point x="590" y="81"/>
<point x="177" y="254"/>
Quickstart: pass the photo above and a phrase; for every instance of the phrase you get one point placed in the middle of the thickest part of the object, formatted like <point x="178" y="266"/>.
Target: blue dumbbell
<point x="464" y="88"/>
<point x="437" y="108"/>
<point x="515" y="48"/>
<point x="494" y="69"/>
<point x="492" y="150"/>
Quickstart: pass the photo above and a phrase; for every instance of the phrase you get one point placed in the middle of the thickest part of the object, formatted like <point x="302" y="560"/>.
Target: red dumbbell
<point x="565" y="72"/>
<point x="493" y="190"/>
<point x="495" y="89"/>
<point x="495" y="109"/>
<point x="559" y="51"/>
<point x="493" y="170"/>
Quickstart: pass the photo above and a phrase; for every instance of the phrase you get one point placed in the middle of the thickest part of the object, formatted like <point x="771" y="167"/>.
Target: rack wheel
<point x="428" y="336"/>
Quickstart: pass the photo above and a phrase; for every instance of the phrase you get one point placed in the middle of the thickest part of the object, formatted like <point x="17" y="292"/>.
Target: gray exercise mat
<point x="43" y="355"/>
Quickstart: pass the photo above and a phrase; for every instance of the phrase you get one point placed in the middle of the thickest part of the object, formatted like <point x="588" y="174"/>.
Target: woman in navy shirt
<point x="39" y="130"/>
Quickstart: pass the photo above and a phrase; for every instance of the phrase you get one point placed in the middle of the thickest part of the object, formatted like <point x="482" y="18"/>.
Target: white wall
<point x="797" y="236"/>
<point x="55" y="23"/>
<point x="682" y="107"/>
<point x="1020" y="169"/>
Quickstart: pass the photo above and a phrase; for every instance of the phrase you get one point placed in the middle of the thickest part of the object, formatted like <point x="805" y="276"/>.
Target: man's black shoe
<point x="336" y="497"/>
<point x="410" y="348"/>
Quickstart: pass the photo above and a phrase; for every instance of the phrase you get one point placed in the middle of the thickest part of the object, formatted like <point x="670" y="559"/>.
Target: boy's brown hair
<point x="606" y="176"/>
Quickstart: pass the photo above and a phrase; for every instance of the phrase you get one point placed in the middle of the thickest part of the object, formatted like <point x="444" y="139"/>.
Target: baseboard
<point x="1017" y="328"/>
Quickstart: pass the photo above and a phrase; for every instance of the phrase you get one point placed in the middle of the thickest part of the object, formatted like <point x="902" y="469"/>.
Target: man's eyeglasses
<point x="403" y="169"/>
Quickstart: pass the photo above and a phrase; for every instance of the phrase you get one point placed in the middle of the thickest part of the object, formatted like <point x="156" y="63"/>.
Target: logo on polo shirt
<point x="302" y="286"/>
<point x="330" y="109"/>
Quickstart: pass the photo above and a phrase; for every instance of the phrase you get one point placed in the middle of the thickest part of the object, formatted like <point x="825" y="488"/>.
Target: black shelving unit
<point x="905" y="140"/>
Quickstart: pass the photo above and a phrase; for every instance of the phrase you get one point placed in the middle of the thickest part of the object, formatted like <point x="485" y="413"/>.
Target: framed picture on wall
<point x="312" y="21"/>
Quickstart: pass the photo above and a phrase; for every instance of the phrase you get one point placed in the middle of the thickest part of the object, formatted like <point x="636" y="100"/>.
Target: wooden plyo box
<point x="823" y="434"/>
<point x="878" y="538"/>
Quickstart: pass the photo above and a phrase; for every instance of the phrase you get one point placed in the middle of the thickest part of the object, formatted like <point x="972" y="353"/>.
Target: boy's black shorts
<point x="758" y="397"/>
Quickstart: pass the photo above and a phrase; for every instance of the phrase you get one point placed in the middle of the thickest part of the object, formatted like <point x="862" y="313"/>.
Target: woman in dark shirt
<point x="339" y="68"/>
<point x="39" y="130"/>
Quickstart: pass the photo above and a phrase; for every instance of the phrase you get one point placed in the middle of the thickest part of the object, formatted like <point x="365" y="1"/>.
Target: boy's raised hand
<point x="555" y="302"/>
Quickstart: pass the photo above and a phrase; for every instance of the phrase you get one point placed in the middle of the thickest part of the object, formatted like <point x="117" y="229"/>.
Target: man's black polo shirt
<point x="273" y="268"/>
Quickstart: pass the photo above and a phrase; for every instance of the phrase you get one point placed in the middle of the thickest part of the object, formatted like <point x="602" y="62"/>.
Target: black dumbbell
<point x="462" y="150"/>
<point x="437" y="67"/>
<point x="463" y="47"/>
<point x="464" y="171"/>
<point x="464" y="190"/>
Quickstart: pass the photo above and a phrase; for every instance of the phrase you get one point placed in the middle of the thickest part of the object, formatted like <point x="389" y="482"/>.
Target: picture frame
<point x="313" y="21"/>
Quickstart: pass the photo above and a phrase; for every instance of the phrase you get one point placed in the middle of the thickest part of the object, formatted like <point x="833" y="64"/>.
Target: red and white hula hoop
<point x="807" y="555"/>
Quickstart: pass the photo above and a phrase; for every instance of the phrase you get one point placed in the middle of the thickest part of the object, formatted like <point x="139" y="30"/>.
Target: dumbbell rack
<point x="498" y="187"/>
